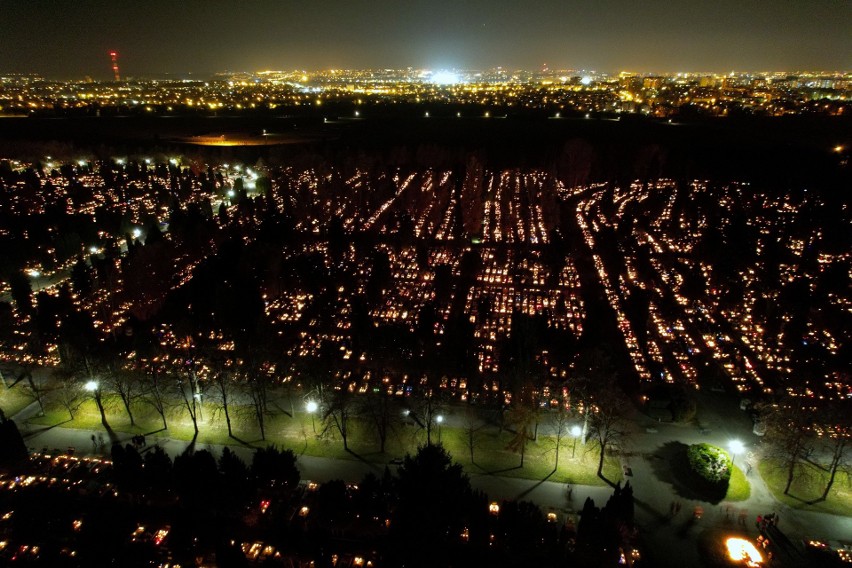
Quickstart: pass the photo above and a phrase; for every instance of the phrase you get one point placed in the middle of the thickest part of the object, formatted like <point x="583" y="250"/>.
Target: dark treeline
<point x="780" y="152"/>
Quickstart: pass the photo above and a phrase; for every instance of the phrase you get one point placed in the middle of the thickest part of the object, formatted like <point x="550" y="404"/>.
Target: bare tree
<point x="257" y="389"/>
<point x="607" y="423"/>
<point x="125" y="383"/>
<point x="838" y="441"/>
<point x="33" y="390"/>
<point x="559" y="425"/>
<point x="523" y="417"/>
<point x="428" y="406"/>
<point x="96" y="391"/>
<point x="188" y="388"/>
<point x="789" y="437"/>
<point x="472" y="426"/>
<point x="224" y="388"/>
<point x="839" y="446"/>
<point x="379" y="409"/>
<point x="69" y="395"/>
<point x="153" y="394"/>
<point x="338" y="411"/>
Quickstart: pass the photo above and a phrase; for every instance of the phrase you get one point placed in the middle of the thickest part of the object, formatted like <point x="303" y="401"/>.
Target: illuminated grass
<point x="13" y="400"/>
<point x="739" y="489"/>
<point x="297" y="433"/>
<point x="809" y="485"/>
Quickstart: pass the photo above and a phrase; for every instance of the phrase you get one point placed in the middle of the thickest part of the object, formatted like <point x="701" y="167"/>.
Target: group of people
<point x="766" y="521"/>
<point x="98" y="443"/>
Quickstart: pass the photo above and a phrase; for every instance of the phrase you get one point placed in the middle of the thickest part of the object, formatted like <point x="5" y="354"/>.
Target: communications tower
<point x="114" y="56"/>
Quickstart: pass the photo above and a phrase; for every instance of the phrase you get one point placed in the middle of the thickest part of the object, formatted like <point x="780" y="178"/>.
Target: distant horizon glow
<point x="58" y="40"/>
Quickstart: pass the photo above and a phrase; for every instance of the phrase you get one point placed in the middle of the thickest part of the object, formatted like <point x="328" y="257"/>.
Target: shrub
<point x="710" y="463"/>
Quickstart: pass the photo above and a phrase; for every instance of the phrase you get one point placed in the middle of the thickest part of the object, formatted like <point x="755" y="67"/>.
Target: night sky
<point x="70" y="39"/>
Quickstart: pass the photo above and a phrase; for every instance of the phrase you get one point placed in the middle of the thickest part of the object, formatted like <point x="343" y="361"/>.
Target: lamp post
<point x="311" y="406"/>
<point x="94" y="387"/>
<point x="736" y="447"/>
<point x="439" y="419"/>
<point x="575" y="431"/>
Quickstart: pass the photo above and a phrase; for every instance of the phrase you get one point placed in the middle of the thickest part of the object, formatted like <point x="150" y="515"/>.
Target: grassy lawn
<point x="297" y="433"/>
<point x="807" y="486"/>
<point x="13" y="400"/>
<point x="739" y="488"/>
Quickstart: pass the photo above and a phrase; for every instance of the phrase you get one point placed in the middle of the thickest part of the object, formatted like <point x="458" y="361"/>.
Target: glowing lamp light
<point x="742" y="550"/>
<point x="439" y="419"/>
<point x="736" y="447"/>
<point x="137" y="232"/>
<point x="576" y="431"/>
<point x="586" y="80"/>
<point x="311" y="406"/>
<point x="91" y="386"/>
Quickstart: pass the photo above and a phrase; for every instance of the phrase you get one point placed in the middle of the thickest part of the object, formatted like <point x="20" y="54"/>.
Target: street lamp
<point x="736" y="447"/>
<point x="311" y="406"/>
<point x="94" y="387"/>
<point x="439" y="419"/>
<point x="575" y="431"/>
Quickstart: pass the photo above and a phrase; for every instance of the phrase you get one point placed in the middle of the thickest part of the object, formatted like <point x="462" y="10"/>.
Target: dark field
<point x="781" y="152"/>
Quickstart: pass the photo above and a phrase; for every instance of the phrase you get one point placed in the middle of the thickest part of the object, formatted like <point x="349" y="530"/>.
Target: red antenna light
<point x="114" y="56"/>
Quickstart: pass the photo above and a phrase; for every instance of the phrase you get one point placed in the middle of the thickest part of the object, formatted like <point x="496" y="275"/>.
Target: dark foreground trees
<point x="435" y="504"/>
<point x="12" y="447"/>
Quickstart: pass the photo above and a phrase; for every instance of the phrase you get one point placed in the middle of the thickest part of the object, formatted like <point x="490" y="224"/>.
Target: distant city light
<point x="586" y="80"/>
<point x="34" y="273"/>
<point x="445" y="78"/>
<point x="137" y="232"/>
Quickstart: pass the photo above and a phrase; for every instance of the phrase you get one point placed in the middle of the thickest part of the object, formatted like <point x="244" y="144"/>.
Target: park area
<point x="308" y="434"/>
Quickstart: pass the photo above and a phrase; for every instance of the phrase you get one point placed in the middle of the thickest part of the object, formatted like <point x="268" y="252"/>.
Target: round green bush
<point x="710" y="463"/>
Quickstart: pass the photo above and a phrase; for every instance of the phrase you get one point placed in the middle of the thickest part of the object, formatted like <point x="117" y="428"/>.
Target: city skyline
<point x="74" y="40"/>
